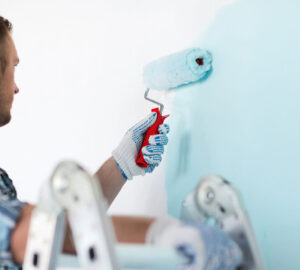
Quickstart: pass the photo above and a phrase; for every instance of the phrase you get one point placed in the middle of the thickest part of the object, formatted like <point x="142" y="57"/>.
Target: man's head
<point x="8" y="61"/>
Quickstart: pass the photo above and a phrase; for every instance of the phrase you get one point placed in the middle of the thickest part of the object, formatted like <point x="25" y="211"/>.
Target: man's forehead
<point x="12" y="48"/>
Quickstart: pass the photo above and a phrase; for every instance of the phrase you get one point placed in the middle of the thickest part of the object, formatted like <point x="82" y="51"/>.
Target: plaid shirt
<point x="10" y="208"/>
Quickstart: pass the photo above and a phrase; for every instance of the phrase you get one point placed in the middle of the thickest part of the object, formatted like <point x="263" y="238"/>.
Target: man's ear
<point x="3" y="60"/>
<point x="3" y="64"/>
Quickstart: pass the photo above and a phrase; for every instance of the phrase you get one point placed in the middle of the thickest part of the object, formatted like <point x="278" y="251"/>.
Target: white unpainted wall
<point x="81" y="88"/>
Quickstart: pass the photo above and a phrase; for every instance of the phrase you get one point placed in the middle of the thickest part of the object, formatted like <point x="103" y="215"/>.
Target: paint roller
<point x="172" y="72"/>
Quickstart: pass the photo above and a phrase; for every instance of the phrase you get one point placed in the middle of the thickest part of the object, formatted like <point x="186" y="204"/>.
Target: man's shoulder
<point x="7" y="189"/>
<point x="10" y="209"/>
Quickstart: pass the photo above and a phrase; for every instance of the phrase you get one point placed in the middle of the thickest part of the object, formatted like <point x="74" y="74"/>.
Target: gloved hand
<point x="126" y="152"/>
<point x="207" y="247"/>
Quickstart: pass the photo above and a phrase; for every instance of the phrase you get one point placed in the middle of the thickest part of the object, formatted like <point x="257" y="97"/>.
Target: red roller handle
<point x="153" y="130"/>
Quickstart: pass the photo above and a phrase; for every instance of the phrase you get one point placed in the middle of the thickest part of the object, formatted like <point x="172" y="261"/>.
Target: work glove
<point x="206" y="247"/>
<point x="126" y="153"/>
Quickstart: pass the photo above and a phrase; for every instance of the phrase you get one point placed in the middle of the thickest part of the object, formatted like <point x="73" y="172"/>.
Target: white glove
<point x="207" y="247"/>
<point x="126" y="152"/>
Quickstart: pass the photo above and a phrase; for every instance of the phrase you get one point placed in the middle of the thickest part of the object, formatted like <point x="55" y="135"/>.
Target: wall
<point x="81" y="86"/>
<point x="242" y="122"/>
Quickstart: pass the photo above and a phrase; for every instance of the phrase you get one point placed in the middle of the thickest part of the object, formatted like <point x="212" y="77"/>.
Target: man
<point x="15" y="215"/>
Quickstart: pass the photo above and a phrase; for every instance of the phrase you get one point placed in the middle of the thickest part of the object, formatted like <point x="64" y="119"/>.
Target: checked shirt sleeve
<point x="10" y="209"/>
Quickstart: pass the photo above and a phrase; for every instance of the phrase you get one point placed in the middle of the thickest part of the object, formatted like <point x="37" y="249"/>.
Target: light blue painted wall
<point x="244" y="122"/>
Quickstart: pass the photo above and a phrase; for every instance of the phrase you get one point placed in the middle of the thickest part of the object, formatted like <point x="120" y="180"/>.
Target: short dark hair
<point x="5" y="29"/>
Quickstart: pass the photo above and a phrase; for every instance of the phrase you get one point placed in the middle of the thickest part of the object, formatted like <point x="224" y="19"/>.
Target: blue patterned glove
<point x="206" y="247"/>
<point x="126" y="152"/>
<point x="222" y="253"/>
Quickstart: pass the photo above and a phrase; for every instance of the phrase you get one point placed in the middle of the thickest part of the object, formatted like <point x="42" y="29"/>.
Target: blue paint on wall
<point x="244" y="122"/>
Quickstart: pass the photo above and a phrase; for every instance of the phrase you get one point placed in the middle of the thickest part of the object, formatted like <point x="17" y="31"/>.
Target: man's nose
<point x="17" y="90"/>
